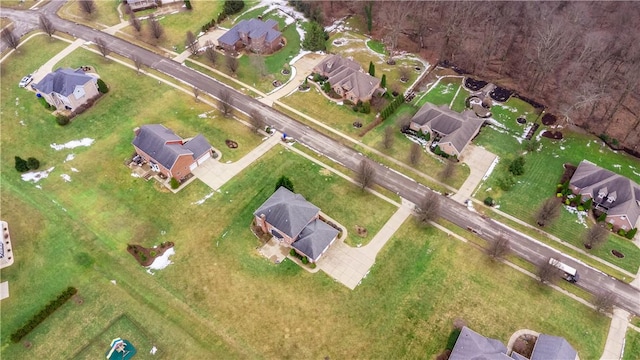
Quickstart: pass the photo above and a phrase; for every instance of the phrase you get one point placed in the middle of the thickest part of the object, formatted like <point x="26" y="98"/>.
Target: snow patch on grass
<point x="201" y="201"/>
<point x="36" y="176"/>
<point x="73" y="144"/>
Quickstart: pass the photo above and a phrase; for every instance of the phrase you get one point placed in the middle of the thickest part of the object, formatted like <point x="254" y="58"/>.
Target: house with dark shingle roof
<point x="294" y="221"/>
<point x="451" y="130"/>
<point x="139" y="5"/>
<point x="347" y="78"/>
<point x="259" y="36"/>
<point x="550" y="347"/>
<point x="66" y="89"/>
<point x="611" y="193"/>
<point x="168" y="153"/>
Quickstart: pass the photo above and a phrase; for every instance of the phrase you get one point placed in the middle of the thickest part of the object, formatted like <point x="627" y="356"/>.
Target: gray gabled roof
<point x="592" y="179"/>
<point x="347" y="74"/>
<point x="315" y="238"/>
<point x="334" y="64"/>
<point x="198" y="146"/>
<point x="63" y="81"/>
<point x="516" y="356"/>
<point x="254" y="28"/>
<point x="153" y="139"/>
<point x="550" y="347"/>
<point x="473" y="346"/>
<point x="287" y="212"/>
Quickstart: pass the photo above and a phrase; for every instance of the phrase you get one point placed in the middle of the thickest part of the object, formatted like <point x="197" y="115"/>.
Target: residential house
<point x="168" y="153"/>
<point x="471" y="345"/>
<point x="611" y="193"/>
<point x="450" y="130"/>
<point x="66" y="89"/>
<point x="295" y="222"/>
<point x="347" y="78"/>
<point x="259" y="36"/>
<point x="139" y="5"/>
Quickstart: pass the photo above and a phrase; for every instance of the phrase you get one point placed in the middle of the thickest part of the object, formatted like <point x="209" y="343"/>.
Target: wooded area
<point x="579" y="59"/>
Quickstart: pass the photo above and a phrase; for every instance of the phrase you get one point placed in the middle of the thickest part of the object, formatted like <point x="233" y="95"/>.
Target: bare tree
<point x="225" y="102"/>
<point x="499" y="248"/>
<point x="135" y="22"/>
<point x="366" y="174"/>
<point x="428" y="209"/>
<point x="87" y="6"/>
<point x="257" y="120"/>
<point x="191" y="42"/>
<point x="404" y="121"/>
<point x="102" y="46"/>
<point x="394" y="17"/>
<point x="258" y="64"/>
<point x="46" y="25"/>
<point x="388" y="137"/>
<point x="10" y="38"/>
<point x="232" y="62"/>
<point x="547" y="273"/>
<point x="196" y="93"/>
<point x="448" y="170"/>
<point x="604" y="301"/>
<point x="415" y="153"/>
<point x="548" y="212"/>
<point x="137" y="61"/>
<point x="156" y="29"/>
<point x="596" y="236"/>
<point x="210" y="52"/>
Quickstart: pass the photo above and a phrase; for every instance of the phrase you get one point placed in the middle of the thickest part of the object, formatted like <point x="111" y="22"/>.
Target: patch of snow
<point x="39" y="187"/>
<point x="65" y="177"/>
<point x="497" y="207"/>
<point x="617" y="166"/>
<point x="162" y="261"/>
<point x="562" y="147"/>
<point x="70" y="157"/>
<point x="22" y="123"/>
<point x="491" y="167"/>
<point x="636" y="173"/>
<point x="581" y="215"/>
<point x="35" y="176"/>
<point x="113" y="282"/>
<point x="153" y="350"/>
<point x="75" y="170"/>
<point x="201" y="201"/>
<point x="135" y="175"/>
<point x="73" y="144"/>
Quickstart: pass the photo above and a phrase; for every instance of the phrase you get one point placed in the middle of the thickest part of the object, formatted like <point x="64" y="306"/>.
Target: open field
<point x="632" y="345"/>
<point x="105" y="15"/>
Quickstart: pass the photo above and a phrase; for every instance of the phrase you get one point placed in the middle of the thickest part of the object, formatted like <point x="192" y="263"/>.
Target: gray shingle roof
<point x="516" y="356"/>
<point x="315" y="238"/>
<point x="456" y="128"/>
<point x="473" y="346"/>
<point x="63" y="81"/>
<point x="288" y="212"/>
<point x="347" y="74"/>
<point x="591" y="179"/>
<point x="198" y="146"/>
<point x="550" y="347"/>
<point x="254" y="28"/>
<point x="153" y="139"/>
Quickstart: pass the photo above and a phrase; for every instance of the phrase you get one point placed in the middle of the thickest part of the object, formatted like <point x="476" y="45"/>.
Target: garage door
<point x="204" y="158"/>
<point x="193" y="166"/>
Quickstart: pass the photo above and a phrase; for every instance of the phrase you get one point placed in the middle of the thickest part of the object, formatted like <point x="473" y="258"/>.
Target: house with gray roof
<point x="347" y="78"/>
<point x="294" y="221"/>
<point x="452" y="131"/>
<point x="168" y="153"/>
<point x="139" y="5"/>
<point x="66" y="89"/>
<point x="549" y="347"/>
<point x="258" y="36"/>
<point x="614" y="194"/>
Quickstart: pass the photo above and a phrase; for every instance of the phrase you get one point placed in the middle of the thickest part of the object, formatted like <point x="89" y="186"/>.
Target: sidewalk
<point x="614" y="346"/>
<point x="48" y="66"/>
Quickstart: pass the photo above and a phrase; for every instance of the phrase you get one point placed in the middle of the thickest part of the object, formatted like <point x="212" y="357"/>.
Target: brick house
<point x="295" y="222"/>
<point x="611" y="193"/>
<point x="347" y="78"/>
<point x="258" y="36"/>
<point x="168" y="153"/>
<point x="66" y="89"/>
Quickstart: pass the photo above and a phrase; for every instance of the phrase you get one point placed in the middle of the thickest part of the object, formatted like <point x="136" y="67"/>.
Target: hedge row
<point x="43" y="314"/>
<point x="391" y="108"/>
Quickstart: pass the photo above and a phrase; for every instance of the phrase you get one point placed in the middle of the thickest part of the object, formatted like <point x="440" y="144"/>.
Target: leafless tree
<point x="210" y="52"/>
<point x="127" y="9"/>
<point x="448" y="170"/>
<point x="499" y="247"/>
<point x="232" y="63"/>
<point x="415" y="153"/>
<point x="604" y="301"/>
<point x="404" y="121"/>
<point x="10" y="38"/>
<point x="548" y="212"/>
<point x="258" y="64"/>
<point x="196" y="93"/>
<point x="257" y="120"/>
<point x="135" y="22"/>
<point x="366" y="174"/>
<point x="156" y="29"/>
<point x="137" y="61"/>
<point x="87" y="6"/>
<point x="547" y="273"/>
<point x="102" y="46"/>
<point x="46" y="25"/>
<point x="394" y="18"/>
<point x="191" y="42"/>
<point x="225" y="102"/>
<point x="596" y="236"/>
<point x="388" y="137"/>
<point x="428" y="209"/>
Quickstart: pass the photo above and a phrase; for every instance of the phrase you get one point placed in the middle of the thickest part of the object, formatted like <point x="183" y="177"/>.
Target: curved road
<point x="591" y="280"/>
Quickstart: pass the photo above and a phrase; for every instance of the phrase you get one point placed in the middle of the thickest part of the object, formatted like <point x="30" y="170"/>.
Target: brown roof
<point x="347" y="74"/>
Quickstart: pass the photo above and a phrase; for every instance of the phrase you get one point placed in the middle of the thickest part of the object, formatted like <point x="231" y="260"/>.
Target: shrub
<point x="312" y="265"/>
<point x="33" y="163"/>
<point x="153" y="253"/>
<point x="102" y="87"/>
<point x="621" y="232"/>
<point x="232" y="6"/>
<point x="580" y="208"/>
<point x="292" y="252"/>
<point x="631" y="233"/>
<point x="187" y="4"/>
<point x="44" y="103"/>
<point x="305" y="260"/>
<point x="602" y="217"/>
<point x="489" y="201"/>
<point x="588" y="204"/>
<point x="517" y="166"/>
<point x="62" y="120"/>
<point x="559" y="195"/>
<point x="21" y="164"/>
<point x="43" y="314"/>
<point x="506" y="182"/>
<point x="174" y="183"/>
<point x="383" y="81"/>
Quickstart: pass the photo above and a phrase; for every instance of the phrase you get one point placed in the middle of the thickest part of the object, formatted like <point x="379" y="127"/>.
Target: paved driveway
<point x="302" y="68"/>
<point x="479" y="161"/>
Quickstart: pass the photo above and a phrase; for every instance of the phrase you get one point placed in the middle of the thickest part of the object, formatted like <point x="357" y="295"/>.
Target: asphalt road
<point x="594" y="281"/>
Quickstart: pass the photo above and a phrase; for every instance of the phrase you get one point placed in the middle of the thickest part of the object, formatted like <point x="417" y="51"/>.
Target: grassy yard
<point x="106" y="13"/>
<point x="632" y="345"/>
<point x="442" y="93"/>
<point x="376" y="46"/>
<point x="219" y="298"/>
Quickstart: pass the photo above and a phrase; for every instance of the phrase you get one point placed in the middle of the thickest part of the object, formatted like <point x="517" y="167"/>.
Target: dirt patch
<point x="549" y="119"/>
<point x="555" y="135"/>
<point x="617" y="254"/>
<point x="77" y="299"/>
<point x="231" y="144"/>
<point x="524" y="345"/>
<point x="361" y="231"/>
<point x="569" y="170"/>
<point x="145" y="256"/>
<point x="473" y="84"/>
<point x="325" y="172"/>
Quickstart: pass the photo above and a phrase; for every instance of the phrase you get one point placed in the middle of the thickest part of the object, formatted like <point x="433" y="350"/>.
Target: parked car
<point x="26" y="80"/>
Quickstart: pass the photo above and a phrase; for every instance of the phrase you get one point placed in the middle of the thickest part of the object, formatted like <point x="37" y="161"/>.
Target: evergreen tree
<point x="21" y="164"/>
<point x="33" y="163"/>
<point x="383" y="81"/>
<point x="372" y="69"/>
<point x="232" y="6"/>
<point x="314" y="39"/>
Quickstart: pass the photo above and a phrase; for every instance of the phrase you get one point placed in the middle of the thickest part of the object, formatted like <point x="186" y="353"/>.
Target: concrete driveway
<point x="300" y="69"/>
<point x="479" y="161"/>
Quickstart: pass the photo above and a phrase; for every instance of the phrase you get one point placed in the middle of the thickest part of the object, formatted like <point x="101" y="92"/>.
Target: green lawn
<point x="441" y="94"/>
<point x="376" y="46"/>
<point x="106" y="13"/>
<point x="632" y="345"/>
